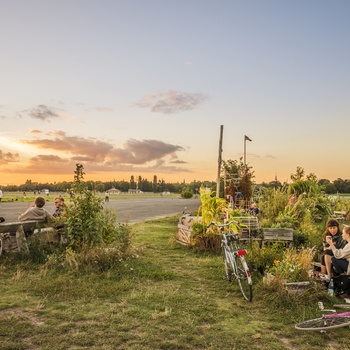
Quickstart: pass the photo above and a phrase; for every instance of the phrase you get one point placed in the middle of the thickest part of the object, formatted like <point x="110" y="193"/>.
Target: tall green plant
<point x="212" y="208"/>
<point x="88" y="224"/>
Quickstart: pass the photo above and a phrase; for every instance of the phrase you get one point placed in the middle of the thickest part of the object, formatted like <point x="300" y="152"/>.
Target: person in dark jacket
<point x="60" y="207"/>
<point x="332" y="230"/>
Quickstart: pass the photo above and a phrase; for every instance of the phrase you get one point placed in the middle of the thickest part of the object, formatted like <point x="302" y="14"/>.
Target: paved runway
<point x="128" y="210"/>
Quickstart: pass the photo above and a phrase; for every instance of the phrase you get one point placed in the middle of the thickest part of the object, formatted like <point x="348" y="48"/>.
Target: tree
<point x="155" y="184"/>
<point x="330" y="188"/>
<point x="239" y="177"/>
<point x="132" y="182"/>
<point x="300" y="173"/>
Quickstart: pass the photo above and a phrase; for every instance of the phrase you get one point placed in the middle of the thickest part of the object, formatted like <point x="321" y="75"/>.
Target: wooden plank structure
<point x="250" y="227"/>
<point x="184" y="228"/>
<point x="13" y="235"/>
<point x="184" y="234"/>
<point x="277" y="234"/>
<point x="341" y="215"/>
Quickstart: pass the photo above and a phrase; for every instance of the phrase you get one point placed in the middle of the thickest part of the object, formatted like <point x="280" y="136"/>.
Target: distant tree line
<point x="159" y="186"/>
<point x="144" y="185"/>
<point x="329" y="187"/>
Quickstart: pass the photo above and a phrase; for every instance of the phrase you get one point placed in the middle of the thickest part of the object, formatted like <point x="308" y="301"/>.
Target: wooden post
<point x="219" y="162"/>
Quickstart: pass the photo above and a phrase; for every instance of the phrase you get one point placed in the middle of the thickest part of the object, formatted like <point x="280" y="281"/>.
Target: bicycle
<point x="234" y="260"/>
<point x="327" y="321"/>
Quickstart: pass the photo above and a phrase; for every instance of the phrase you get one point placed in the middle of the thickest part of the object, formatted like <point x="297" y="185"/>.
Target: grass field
<point x="166" y="297"/>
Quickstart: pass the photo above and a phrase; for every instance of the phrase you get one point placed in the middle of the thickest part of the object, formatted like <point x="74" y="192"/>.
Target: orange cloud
<point x="8" y="157"/>
<point x="97" y="155"/>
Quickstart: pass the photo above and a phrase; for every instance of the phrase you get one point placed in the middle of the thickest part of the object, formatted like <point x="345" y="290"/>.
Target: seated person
<point x="341" y="257"/>
<point x="333" y="230"/>
<point x="36" y="211"/>
<point x="60" y="206"/>
<point x="253" y="209"/>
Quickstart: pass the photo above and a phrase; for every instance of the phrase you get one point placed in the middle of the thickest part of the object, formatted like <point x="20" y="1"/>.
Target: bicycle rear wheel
<point x="319" y="324"/>
<point x="244" y="278"/>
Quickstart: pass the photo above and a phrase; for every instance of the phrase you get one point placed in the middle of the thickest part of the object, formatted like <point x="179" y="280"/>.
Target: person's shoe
<point x="324" y="277"/>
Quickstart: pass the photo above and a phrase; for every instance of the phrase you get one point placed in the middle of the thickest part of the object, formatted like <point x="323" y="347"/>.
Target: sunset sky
<point x="141" y="87"/>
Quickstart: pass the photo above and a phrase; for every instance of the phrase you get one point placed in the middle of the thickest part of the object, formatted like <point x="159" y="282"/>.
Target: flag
<point x="246" y="138"/>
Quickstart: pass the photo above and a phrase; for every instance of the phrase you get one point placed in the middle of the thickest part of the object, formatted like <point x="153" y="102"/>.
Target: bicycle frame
<point x="235" y="262"/>
<point x="234" y="250"/>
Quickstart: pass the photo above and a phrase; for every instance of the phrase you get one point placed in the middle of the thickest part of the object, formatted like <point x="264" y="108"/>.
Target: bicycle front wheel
<point x="227" y="265"/>
<point x="244" y="278"/>
<point x="319" y="324"/>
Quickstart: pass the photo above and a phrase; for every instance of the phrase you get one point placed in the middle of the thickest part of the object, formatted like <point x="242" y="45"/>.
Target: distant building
<point x="134" y="191"/>
<point x="114" y="191"/>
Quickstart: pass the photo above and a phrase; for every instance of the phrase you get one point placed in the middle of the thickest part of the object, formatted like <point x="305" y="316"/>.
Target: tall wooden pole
<point x="219" y="162"/>
<point x="245" y="155"/>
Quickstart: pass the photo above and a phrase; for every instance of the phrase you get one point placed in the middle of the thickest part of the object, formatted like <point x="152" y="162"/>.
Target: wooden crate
<point x="184" y="234"/>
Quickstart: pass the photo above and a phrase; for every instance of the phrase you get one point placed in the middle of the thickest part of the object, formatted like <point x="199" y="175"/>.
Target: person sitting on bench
<point x="36" y="211"/>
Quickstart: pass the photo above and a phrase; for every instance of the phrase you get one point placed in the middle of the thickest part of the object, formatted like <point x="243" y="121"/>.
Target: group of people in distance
<point x="37" y="211"/>
<point x="335" y="257"/>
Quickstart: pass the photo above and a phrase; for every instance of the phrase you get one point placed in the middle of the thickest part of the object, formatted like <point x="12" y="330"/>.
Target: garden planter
<point x="296" y="287"/>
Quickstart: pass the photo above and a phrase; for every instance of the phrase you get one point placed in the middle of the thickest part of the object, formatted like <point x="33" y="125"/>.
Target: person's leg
<point x="323" y="265"/>
<point x="340" y="265"/>
<point x="328" y="263"/>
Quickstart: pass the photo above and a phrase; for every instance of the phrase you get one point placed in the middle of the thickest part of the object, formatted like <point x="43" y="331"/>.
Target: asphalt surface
<point x="129" y="210"/>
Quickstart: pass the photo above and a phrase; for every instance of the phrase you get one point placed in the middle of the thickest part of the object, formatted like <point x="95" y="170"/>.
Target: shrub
<point x="88" y="224"/>
<point x="262" y="258"/>
<point x="294" y="266"/>
<point x="94" y="238"/>
<point x="186" y="193"/>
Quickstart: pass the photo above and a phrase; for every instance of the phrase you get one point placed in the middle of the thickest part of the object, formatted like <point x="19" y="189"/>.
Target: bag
<point x="342" y="284"/>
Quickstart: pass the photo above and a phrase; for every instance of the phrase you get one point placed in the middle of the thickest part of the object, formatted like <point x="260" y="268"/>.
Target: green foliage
<point x="42" y="250"/>
<point x="294" y="265"/>
<point x="273" y="202"/>
<point x="212" y="208"/>
<point x="186" y="193"/>
<point x="262" y="258"/>
<point x="167" y="298"/>
<point x="89" y="225"/>
<point x="239" y="177"/>
<point x="300" y="205"/>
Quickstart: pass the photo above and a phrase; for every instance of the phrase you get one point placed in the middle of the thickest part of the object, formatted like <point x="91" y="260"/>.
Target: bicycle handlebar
<point x="223" y="225"/>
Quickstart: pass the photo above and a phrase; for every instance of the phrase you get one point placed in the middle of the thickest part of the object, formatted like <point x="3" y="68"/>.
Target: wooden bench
<point x="341" y="215"/>
<point x="13" y="235"/>
<point x="276" y="234"/>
